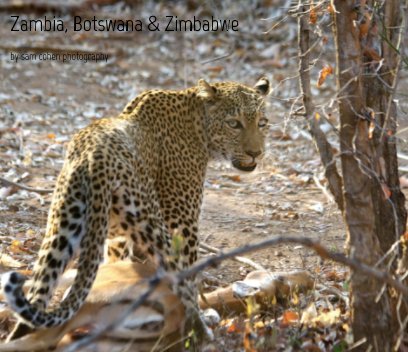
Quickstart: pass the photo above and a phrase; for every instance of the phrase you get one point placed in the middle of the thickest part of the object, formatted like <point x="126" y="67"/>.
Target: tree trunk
<point x="388" y="198"/>
<point x="374" y="205"/>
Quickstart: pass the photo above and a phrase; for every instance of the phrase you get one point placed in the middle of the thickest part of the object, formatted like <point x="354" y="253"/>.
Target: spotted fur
<point x="135" y="180"/>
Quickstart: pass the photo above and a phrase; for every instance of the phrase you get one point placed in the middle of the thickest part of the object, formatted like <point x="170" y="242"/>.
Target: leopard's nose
<point x="253" y="153"/>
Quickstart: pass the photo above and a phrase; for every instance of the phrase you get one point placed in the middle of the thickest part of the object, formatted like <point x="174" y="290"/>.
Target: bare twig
<point x="323" y="189"/>
<point x="216" y="58"/>
<point x="335" y="291"/>
<point x="243" y="260"/>
<point x="26" y="188"/>
<point x="307" y="242"/>
<point x="200" y="266"/>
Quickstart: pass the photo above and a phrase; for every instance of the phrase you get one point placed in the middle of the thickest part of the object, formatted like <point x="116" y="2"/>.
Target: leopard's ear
<point x="263" y="86"/>
<point x="205" y="90"/>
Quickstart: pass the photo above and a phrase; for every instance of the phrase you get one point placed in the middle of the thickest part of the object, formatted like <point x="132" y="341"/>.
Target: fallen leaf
<point x="309" y="314"/>
<point x="274" y="301"/>
<point x="364" y="25"/>
<point x="295" y="299"/>
<point x="330" y="9"/>
<point x="28" y="158"/>
<point x="18" y="247"/>
<point x="289" y="317"/>
<point x="275" y="62"/>
<point x="281" y="135"/>
<point x="323" y="73"/>
<point x="252" y="306"/>
<point x="218" y="43"/>
<point x="15" y="247"/>
<point x="334" y="275"/>
<point x="216" y="69"/>
<point x="372" y="54"/>
<point x="259" y="325"/>
<point x="30" y="232"/>
<point x="240" y="52"/>
<point x="235" y="328"/>
<point x="327" y="318"/>
<point x="235" y="178"/>
<point x="249" y="337"/>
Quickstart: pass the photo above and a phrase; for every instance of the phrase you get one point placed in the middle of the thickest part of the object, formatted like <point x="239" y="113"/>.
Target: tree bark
<point x="379" y="85"/>
<point x="374" y="205"/>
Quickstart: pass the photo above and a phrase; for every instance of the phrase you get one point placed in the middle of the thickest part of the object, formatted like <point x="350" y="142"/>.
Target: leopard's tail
<point x="77" y="221"/>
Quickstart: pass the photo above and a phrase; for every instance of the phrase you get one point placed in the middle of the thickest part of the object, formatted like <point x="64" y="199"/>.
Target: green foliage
<point x="340" y="347"/>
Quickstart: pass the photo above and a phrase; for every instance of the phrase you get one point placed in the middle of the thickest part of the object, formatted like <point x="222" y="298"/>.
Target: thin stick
<point x="243" y="260"/>
<point x="26" y="188"/>
<point x="323" y="189"/>
<point x="323" y="252"/>
<point x="307" y="242"/>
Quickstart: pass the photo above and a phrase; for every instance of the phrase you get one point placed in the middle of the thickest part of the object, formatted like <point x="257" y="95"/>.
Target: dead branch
<point x="26" y="188"/>
<point x="323" y="189"/>
<point x="323" y="146"/>
<point x="334" y="291"/>
<point x="242" y="260"/>
<point x="320" y="250"/>
<point x="212" y="261"/>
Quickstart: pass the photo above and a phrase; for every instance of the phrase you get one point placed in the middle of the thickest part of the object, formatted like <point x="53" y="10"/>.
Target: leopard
<point x="129" y="183"/>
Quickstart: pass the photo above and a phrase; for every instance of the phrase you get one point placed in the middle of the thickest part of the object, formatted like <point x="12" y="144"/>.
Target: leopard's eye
<point x="262" y="123"/>
<point x="234" y="124"/>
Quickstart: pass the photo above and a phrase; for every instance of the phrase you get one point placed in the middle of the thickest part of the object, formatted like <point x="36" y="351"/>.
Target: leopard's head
<point x="235" y="121"/>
